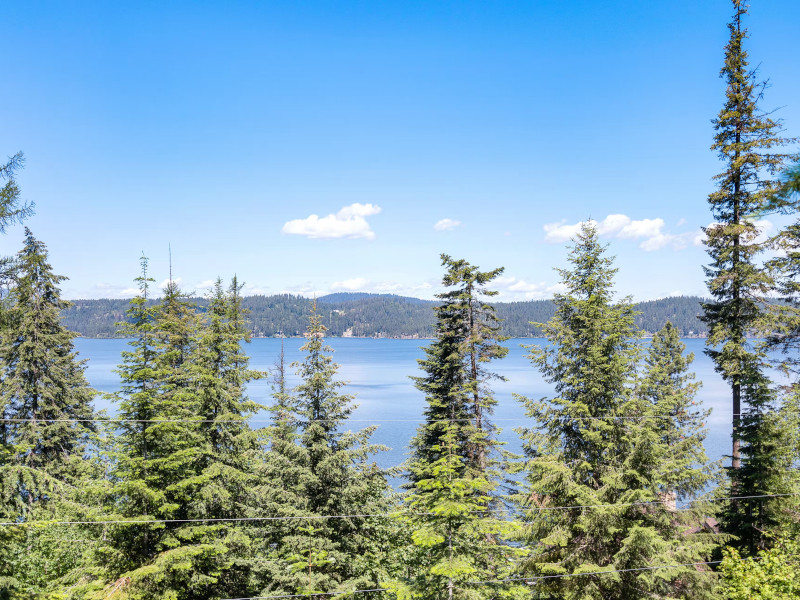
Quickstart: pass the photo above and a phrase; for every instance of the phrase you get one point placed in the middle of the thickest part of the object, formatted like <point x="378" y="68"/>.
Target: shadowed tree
<point x="458" y="534"/>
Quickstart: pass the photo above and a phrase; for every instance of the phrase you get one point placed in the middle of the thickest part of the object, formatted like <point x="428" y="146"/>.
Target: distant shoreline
<point x="379" y="316"/>
<point x="383" y="337"/>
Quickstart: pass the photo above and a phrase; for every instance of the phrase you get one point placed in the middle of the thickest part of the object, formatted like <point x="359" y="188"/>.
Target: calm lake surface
<point x="378" y="372"/>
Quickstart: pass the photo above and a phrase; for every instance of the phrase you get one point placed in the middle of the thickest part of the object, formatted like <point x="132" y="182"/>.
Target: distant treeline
<point x="378" y="315"/>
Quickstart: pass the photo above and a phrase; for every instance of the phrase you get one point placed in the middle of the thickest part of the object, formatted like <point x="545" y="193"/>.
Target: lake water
<point x="378" y="371"/>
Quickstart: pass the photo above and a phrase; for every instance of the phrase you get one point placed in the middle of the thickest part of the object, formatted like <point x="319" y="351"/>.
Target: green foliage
<point x="159" y="457"/>
<point x="596" y="444"/>
<point x="457" y="533"/>
<point x="12" y="209"/>
<point x="43" y="383"/>
<point x="45" y="439"/>
<point x="772" y="574"/>
<point x="316" y="470"/>
<point x="784" y="268"/>
<point x="745" y="141"/>
<point x="676" y="432"/>
<point x="220" y="375"/>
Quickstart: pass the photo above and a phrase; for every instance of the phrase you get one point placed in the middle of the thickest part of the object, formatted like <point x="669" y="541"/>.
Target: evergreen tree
<point x="12" y="209"/>
<point x="160" y="452"/>
<point x="596" y="450"/>
<point x="784" y="324"/>
<point x="46" y="407"/>
<point x="784" y="327"/>
<point x="232" y="447"/>
<point x="678" y="461"/>
<point x="456" y="529"/>
<point x="43" y="384"/>
<point x="280" y="491"/>
<point x="330" y="474"/>
<point x="745" y="140"/>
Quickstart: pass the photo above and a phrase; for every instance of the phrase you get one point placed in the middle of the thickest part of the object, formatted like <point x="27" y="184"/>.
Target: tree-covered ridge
<point x="179" y="496"/>
<point x="381" y="315"/>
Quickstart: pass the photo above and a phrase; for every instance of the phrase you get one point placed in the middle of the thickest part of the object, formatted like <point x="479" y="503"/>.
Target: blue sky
<point x="312" y="147"/>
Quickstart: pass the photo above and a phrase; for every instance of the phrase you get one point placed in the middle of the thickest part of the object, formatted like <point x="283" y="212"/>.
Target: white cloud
<point x="349" y="222"/>
<point x="351" y="285"/>
<point x="250" y="289"/>
<point x="358" y="210"/>
<point x="512" y="288"/>
<point x="102" y="290"/>
<point x="677" y="241"/>
<point x="205" y="285"/>
<point x="446" y="224"/>
<point x="164" y="283"/>
<point x="612" y="224"/>
<point x="362" y="284"/>
<point x="650" y="232"/>
<point x="763" y="227"/>
<point x="303" y="289"/>
<point x="645" y="228"/>
<point x="388" y="287"/>
<point x="556" y="233"/>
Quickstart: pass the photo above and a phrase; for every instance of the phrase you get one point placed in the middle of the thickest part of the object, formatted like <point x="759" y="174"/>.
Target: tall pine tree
<point x="453" y="509"/>
<point x="228" y="475"/>
<point x="46" y="404"/>
<point x="43" y="383"/>
<point x="745" y="141"/>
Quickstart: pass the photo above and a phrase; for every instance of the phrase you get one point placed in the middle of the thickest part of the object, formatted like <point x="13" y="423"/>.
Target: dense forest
<point x="380" y="315"/>
<point x="181" y="495"/>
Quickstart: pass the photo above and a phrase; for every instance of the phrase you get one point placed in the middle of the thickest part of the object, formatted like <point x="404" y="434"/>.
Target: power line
<point x="250" y="420"/>
<point x="365" y="515"/>
<point x="202" y="520"/>
<point x="314" y="594"/>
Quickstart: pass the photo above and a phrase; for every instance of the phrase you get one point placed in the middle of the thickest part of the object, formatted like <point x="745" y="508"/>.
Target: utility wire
<point x="312" y="595"/>
<point x="249" y="420"/>
<point x="363" y="516"/>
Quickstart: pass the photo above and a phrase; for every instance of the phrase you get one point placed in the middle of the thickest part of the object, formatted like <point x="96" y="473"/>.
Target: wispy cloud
<point x="446" y="224"/>
<point x="349" y="222"/>
<point x="763" y="228"/>
<point x="350" y="285"/>
<point x="106" y="290"/>
<point x="512" y="288"/>
<point x="164" y="283"/>
<point x="650" y="232"/>
<point x="362" y="284"/>
<point x="303" y="289"/>
<point x="205" y="285"/>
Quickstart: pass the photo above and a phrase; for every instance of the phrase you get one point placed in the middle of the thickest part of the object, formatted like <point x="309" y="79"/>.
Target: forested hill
<point x="378" y="315"/>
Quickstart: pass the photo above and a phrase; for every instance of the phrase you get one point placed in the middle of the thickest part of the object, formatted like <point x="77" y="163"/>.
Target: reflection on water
<point x="379" y="371"/>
